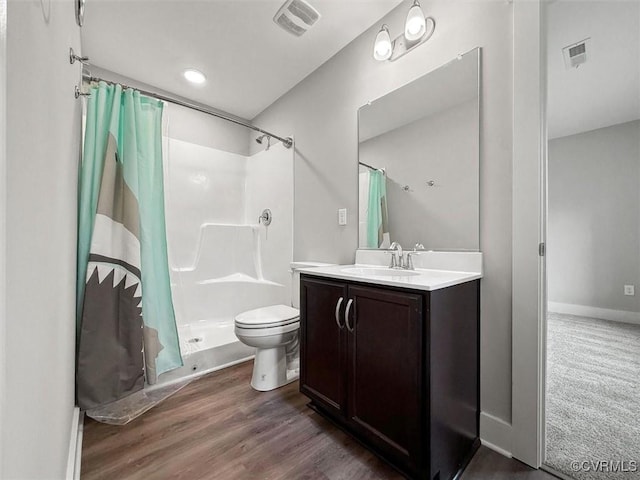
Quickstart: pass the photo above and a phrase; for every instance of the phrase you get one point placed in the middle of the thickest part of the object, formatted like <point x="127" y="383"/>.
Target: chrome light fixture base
<point x="79" y="5"/>
<point x="401" y="46"/>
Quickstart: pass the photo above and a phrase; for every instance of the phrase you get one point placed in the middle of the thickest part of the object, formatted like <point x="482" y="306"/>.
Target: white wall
<point x="202" y="185"/>
<point x="270" y="185"/>
<point x="321" y="112"/>
<point x="200" y="128"/>
<point x="442" y="148"/>
<point x="594" y="218"/>
<point x="43" y="135"/>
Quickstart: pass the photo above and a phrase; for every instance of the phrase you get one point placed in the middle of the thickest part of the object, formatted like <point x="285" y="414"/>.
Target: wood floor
<point x="217" y="427"/>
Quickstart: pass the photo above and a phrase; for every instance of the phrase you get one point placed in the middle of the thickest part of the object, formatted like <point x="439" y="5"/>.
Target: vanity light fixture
<point x="417" y="30"/>
<point x="382" y="47"/>
<point x="194" y="76"/>
<point x="415" y="25"/>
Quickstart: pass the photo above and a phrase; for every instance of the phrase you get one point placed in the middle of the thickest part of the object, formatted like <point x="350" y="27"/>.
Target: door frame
<point x="3" y="216"/>
<point x="529" y="232"/>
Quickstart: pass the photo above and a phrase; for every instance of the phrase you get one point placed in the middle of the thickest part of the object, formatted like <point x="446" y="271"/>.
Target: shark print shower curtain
<point x="126" y="323"/>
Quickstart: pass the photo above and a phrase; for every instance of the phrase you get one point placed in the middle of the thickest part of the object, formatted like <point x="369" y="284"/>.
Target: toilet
<point x="273" y="331"/>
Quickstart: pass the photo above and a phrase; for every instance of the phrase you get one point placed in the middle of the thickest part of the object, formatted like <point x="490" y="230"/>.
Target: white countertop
<point x="426" y="279"/>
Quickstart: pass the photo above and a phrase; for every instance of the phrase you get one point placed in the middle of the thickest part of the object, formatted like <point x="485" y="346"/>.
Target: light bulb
<point x="194" y="76"/>
<point x="382" y="46"/>
<point x="415" y="25"/>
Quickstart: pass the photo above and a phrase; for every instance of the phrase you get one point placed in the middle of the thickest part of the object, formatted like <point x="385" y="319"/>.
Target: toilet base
<point x="270" y="369"/>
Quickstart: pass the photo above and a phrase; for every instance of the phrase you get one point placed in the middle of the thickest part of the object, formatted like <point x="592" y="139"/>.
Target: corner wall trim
<point x="595" y="312"/>
<point x="75" y="445"/>
<point x="3" y="223"/>
<point x="528" y="230"/>
<point x="495" y="434"/>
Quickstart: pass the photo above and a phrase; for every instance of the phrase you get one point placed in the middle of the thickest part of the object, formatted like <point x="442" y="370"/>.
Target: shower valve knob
<point x="266" y="217"/>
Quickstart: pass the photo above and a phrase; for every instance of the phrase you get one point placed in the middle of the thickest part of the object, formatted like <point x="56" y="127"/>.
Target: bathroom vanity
<point x="392" y="358"/>
<point x="391" y="354"/>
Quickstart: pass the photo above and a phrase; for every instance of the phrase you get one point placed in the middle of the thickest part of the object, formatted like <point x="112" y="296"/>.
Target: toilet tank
<point x="295" y="271"/>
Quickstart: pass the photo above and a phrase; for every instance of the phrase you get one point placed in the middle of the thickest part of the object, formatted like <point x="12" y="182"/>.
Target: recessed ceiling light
<point x="194" y="76"/>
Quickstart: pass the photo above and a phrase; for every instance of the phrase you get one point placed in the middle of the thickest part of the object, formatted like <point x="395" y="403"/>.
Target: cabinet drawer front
<point x="322" y="343"/>
<point x="385" y="370"/>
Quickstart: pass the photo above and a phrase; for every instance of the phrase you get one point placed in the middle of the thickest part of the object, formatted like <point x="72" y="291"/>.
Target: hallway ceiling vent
<point x="576" y="54"/>
<point x="296" y="17"/>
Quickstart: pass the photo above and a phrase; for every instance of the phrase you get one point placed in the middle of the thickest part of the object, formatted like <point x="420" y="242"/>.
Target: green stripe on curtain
<point x="377" y="222"/>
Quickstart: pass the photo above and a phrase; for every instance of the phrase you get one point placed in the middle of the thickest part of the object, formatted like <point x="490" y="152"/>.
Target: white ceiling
<point x="606" y="90"/>
<point x="249" y="61"/>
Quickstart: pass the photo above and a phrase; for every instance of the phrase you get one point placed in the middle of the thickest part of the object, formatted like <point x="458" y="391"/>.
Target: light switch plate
<point x="342" y="216"/>
<point x="629" y="290"/>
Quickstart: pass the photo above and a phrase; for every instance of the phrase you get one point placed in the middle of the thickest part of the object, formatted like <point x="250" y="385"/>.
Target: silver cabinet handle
<point x="346" y="315"/>
<point x="338" y="313"/>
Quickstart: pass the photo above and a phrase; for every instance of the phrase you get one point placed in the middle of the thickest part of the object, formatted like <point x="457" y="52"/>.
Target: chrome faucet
<point x="397" y="260"/>
<point x="417" y="250"/>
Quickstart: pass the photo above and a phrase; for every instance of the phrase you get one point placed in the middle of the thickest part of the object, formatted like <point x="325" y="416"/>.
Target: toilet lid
<point x="272" y="316"/>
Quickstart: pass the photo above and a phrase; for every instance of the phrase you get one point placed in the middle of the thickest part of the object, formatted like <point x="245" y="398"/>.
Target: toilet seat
<point x="268" y="317"/>
<point x="266" y="331"/>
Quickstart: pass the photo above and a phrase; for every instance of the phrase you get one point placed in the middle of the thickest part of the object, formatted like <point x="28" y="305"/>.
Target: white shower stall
<point x="223" y="260"/>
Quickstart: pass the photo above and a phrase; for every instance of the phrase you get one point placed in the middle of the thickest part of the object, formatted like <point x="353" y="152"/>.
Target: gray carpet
<point x="593" y="395"/>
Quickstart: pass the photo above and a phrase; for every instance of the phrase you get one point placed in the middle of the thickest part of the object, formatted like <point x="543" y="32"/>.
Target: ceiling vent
<point x="576" y="54"/>
<point x="296" y="17"/>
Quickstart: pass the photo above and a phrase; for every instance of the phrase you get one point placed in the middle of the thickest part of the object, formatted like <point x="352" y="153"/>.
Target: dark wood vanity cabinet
<point x="325" y="372"/>
<point x="396" y="368"/>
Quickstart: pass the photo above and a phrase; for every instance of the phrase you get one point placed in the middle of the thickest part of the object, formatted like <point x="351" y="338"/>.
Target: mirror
<point x="418" y="161"/>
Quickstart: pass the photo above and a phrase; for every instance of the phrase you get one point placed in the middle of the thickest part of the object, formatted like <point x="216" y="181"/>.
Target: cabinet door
<point x="323" y="343"/>
<point x="386" y="386"/>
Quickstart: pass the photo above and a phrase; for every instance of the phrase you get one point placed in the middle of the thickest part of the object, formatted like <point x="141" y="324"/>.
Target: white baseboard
<point x="555" y="473"/>
<point x="75" y="445"/>
<point x="495" y="434"/>
<point x="595" y="312"/>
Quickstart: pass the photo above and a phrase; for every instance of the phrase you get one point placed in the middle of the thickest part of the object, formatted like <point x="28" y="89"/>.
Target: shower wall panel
<point x="223" y="261"/>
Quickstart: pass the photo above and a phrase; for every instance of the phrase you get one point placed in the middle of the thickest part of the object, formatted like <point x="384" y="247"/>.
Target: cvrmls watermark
<point x="605" y="466"/>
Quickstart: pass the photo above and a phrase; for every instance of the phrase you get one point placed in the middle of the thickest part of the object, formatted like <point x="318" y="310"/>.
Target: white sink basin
<point x="378" y="272"/>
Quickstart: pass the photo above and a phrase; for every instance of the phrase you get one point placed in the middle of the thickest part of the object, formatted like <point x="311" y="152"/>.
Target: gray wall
<point x="321" y="112"/>
<point x="594" y="217"/>
<point x="195" y="127"/>
<point x="43" y="138"/>
<point x="444" y="148"/>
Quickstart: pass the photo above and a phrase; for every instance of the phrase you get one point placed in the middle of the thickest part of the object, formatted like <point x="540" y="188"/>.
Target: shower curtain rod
<point x="287" y="142"/>
<point x="372" y="168"/>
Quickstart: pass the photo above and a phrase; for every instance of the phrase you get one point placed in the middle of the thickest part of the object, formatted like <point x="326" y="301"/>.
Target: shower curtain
<point x="377" y="216"/>
<point x="125" y="319"/>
